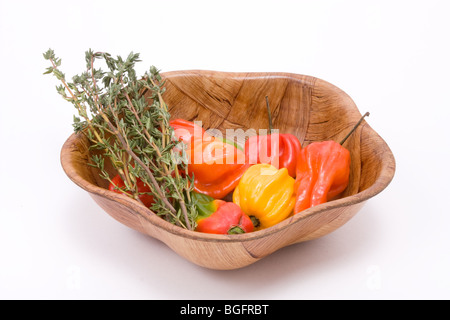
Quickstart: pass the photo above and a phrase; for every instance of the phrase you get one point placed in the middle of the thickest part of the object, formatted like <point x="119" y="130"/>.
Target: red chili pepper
<point x="117" y="185"/>
<point x="220" y="217"/>
<point x="279" y="150"/>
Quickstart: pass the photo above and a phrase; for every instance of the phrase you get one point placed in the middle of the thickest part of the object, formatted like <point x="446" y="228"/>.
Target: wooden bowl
<point x="310" y="108"/>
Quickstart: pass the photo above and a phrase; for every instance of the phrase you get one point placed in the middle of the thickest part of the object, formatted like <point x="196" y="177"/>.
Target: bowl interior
<point x="310" y="108"/>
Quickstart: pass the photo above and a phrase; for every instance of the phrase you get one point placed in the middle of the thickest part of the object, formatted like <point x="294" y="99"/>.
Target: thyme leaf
<point x="127" y="122"/>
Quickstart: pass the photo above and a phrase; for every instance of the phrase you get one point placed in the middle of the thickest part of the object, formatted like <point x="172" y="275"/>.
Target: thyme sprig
<point x="126" y="118"/>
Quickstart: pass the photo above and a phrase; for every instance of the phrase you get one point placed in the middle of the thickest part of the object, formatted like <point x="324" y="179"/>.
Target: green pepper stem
<point x="236" y="230"/>
<point x="354" y="128"/>
<point x="255" y="221"/>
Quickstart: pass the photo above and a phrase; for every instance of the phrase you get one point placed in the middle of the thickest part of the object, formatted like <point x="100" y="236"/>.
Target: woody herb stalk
<point x="131" y="131"/>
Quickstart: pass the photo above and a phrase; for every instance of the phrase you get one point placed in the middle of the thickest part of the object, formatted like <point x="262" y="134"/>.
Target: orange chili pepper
<point x="217" y="166"/>
<point x="186" y="131"/>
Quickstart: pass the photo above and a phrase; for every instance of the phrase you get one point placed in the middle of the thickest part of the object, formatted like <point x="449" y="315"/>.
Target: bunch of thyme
<point x="126" y="118"/>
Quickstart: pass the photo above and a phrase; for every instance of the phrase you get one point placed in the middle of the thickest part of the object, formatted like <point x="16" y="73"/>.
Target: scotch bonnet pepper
<point x="279" y="150"/>
<point x="266" y="193"/>
<point x="220" y="217"/>
<point x="144" y="192"/>
<point x="217" y="166"/>
<point x="186" y="130"/>
<point x="322" y="173"/>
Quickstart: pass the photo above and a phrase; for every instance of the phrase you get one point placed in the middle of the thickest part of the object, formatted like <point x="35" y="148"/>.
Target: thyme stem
<point x="131" y="130"/>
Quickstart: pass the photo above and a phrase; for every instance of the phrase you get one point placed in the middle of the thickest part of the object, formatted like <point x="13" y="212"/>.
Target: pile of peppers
<point x="239" y="191"/>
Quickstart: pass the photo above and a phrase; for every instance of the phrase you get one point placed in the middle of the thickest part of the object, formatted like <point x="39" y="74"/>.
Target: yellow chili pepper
<point x="266" y="193"/>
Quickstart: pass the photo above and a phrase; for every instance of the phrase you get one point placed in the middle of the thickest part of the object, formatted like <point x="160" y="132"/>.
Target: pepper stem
<point x="269" y="114"/>
<point x="236" y="230"/>
<point x="354" y="128"/>
<point x="255" y="221"/>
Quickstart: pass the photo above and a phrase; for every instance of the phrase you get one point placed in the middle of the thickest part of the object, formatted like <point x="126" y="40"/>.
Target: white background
<point x="391" y="57"/>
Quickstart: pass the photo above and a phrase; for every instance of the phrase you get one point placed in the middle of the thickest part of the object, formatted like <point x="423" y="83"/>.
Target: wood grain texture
<point x="310" y="108"/>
